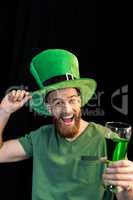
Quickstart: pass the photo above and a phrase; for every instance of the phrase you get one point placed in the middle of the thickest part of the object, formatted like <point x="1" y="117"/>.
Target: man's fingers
<point x="119" y="170"/>
<point x="119" y="173"/>
<point x="118" y="177"/>
<point x="11" y="95"/>
<point x="121" y="163"/>
<point x="26" y="98"/>
<point x="19" y="95"/>
<point x="118" y="183"/>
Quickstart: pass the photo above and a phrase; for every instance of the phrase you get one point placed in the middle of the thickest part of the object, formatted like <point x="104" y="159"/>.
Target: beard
<point x="68" y="131"/>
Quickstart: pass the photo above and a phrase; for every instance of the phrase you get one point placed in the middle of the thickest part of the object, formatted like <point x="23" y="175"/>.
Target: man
<point x="68" y="154"/>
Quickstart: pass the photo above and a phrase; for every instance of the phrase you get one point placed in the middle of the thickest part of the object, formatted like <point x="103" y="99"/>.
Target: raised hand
<point x="14" y="100"/>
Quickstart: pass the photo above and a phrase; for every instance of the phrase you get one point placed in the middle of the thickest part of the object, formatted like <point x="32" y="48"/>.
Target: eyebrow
<point x="55" y="99"/>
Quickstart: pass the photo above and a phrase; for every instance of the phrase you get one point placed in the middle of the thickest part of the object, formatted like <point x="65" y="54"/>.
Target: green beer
<point x="117" y="149"/>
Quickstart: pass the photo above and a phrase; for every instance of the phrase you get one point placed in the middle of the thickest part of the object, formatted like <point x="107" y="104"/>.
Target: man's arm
<point x="11" y="150"/>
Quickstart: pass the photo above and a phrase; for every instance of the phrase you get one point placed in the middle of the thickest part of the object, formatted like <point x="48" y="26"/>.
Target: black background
<point x="28" y="27"/>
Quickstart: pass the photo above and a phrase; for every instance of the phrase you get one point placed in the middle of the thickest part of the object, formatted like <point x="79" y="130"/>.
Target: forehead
<point x="62" y="93"/>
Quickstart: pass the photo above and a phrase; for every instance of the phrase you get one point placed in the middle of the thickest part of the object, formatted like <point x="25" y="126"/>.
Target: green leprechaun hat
<point x="57" y="69"/>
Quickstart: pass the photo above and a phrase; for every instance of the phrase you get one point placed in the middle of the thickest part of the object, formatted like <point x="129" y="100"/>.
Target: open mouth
<point x="68" y="120"/>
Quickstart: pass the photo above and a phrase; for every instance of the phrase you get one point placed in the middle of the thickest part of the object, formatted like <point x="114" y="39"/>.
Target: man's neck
<point x="83" y="125"/>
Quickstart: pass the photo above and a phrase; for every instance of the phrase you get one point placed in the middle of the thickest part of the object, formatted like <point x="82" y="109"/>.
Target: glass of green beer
<point x="120" y="146"/>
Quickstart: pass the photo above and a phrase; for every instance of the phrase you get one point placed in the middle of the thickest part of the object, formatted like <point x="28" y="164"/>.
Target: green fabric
<point x="65" y="170"/>
<point x="55" y="63"/>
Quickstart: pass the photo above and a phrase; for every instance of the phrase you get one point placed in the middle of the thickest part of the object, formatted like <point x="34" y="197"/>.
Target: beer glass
<point x="124" y="131"/>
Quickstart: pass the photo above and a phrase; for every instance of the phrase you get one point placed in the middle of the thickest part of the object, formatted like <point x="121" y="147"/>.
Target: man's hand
<point x="120" y="173"/>
<point x="14" y="100"/>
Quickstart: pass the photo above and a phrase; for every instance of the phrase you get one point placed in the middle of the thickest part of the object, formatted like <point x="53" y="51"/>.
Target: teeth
<point x="69" y="117"/>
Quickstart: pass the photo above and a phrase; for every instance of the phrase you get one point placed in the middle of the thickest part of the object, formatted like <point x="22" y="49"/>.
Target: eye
<point x="73" y="100"/>
<point x="58" y="103"/>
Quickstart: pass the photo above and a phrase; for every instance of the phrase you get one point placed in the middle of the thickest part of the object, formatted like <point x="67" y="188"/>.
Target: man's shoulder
<point x="43" y="130"/>
<point x="104" y="131"/>
<point x="46" y="128"/>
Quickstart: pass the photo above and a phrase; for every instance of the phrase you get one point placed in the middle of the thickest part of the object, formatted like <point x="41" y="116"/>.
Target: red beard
<point x="68" y="131"/>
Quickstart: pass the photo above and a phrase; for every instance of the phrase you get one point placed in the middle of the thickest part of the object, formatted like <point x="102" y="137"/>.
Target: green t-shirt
<point x="64" y="170"/>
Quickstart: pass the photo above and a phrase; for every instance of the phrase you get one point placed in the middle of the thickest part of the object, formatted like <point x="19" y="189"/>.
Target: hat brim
<point x="86" y="86"/>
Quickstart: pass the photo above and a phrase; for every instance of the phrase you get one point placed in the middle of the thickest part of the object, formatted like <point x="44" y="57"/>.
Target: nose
<point x="67" y="108"/>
